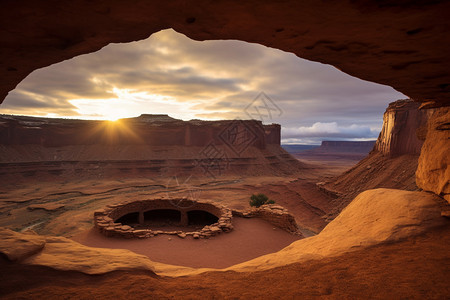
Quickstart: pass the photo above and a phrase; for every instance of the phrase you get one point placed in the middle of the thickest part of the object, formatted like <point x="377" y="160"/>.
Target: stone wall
<point x="274" y="214"/>
<point x="105" y="220"/>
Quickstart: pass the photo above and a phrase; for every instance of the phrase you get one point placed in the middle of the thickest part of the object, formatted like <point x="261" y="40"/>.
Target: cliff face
<point x="152" y="130"/>
<point x="149" y="144"/>
<point x="394" y="159"/>
<point x="433" y="172"/>
<point x="404" y="128"/>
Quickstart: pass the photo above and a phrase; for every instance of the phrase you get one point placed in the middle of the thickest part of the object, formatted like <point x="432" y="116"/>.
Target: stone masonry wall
<point x="274" y="214"/>
<point x="105" y="219"/>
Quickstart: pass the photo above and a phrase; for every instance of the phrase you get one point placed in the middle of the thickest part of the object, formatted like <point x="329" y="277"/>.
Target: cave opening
<point x="130" y="219"/>
<point x="201" y="218"/>
<point x="162" y="217"/>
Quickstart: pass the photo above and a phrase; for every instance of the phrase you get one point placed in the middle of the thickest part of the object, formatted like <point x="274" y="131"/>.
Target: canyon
<point x="379" y="230"/>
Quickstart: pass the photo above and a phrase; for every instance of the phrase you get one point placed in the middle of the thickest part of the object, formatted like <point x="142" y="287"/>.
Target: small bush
<point x="260" y="199"/>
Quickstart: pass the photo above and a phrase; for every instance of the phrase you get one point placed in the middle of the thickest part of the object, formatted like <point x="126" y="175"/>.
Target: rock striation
<point x="149" y="144"/>
<point x="393" y="161"/>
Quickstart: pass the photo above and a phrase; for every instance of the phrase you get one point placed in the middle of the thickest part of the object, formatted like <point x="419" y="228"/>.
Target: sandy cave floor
<point x="249" y="239"/>
<point x="415" y="268"/>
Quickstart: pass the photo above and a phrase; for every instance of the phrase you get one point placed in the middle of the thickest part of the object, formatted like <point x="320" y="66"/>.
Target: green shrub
<point x="260" y="199"/>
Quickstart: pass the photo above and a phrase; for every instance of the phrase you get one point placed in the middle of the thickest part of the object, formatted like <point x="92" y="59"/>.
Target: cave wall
<point x="403" y="44"/>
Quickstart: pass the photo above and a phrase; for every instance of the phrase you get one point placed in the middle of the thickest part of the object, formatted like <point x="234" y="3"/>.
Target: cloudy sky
<point x="169" y="73"/>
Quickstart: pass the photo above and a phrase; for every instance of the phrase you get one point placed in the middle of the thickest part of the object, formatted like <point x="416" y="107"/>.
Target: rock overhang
<point x="399" y="43"/>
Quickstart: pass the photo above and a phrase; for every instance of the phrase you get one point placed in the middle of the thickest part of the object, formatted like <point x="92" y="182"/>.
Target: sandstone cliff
<point x="404" y="128"/>
<point x="433" y="173"/>
<point x="393" y="160"/>
<point x="149" y="144"/>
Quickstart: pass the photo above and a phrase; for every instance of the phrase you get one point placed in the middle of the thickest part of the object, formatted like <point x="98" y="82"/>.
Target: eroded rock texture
<point x="399" y="43"/>
<point x="433" y="172"/>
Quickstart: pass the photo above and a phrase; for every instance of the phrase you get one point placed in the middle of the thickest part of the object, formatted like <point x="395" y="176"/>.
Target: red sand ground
<point x="416" y="268"/>
<point x="249" y="239"/>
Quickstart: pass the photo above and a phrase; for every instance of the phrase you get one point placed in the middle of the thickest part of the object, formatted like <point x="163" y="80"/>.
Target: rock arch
<point x="403" y="44"/>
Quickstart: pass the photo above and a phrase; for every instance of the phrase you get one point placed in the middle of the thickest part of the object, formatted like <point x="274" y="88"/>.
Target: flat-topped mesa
<point x="404" y="128"/>
<point x="148" y="144"/>
<point x="152" y="130"/>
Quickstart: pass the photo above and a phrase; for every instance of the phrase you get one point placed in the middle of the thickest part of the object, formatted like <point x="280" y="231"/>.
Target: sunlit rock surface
<point x="433" y="172"/>
<point x="373" y="217"/>
<point x="403" y="127"/>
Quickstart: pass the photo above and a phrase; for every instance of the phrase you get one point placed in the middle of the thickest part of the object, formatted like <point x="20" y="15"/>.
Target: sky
<point x="169" y="73"/>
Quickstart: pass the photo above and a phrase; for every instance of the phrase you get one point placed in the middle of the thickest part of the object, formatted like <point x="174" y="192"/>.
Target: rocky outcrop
<point x="274" y="214"/>
<point x="404" y="129"/>
<point x="433" y="172"/>
<point x="18" y="246"/>
<point x="410" y="55"/>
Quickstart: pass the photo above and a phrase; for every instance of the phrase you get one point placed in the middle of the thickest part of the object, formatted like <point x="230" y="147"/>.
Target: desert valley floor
<point x="64" y="208"/>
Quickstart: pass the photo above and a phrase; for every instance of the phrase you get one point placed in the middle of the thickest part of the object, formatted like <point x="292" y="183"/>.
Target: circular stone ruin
<point x="136" y="219"/>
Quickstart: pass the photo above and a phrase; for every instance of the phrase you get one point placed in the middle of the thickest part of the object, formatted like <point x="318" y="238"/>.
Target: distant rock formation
<point x="394" y="159"/>
<point x="404" y="128"/>
<point x="148" y="144"/>
<point x="346" y="146"/>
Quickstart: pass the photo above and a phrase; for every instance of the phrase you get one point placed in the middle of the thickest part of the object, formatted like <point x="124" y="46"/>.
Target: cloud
<point x="327" y="131"/>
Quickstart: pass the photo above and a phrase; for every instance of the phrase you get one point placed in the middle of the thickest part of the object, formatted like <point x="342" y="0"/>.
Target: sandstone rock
<point x="64" y="254"/>
<point x="401" y="121"/>
<point x="100" y="212"/>
<point x="373" y="217"/>
<point x="215" y="229"/>
<point x="433" y="172"/>
<point x="18" y="246"/>
<point x="182" y="235"/>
